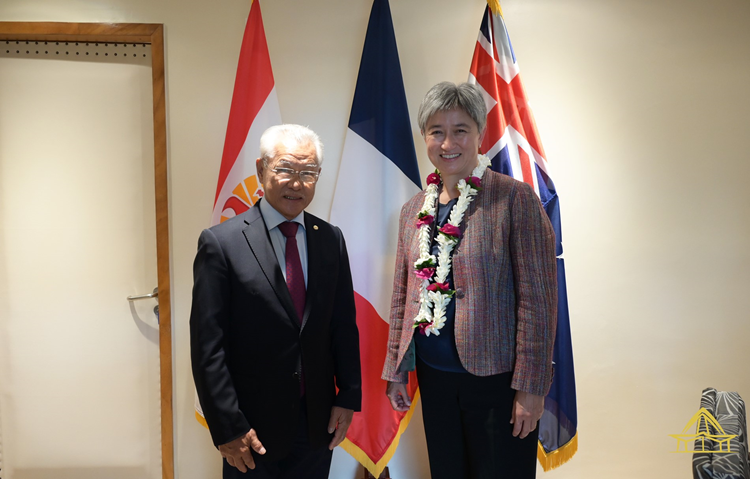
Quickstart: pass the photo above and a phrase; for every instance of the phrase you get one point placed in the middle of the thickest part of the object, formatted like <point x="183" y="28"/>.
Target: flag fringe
<point x="201" y="419"/>
<point x="377" y="468"/>
<point x="559" y="456"/>
<point x="495" y="7"/>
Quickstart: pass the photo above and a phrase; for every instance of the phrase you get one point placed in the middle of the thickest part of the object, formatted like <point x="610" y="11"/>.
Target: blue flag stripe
<point x="379" y="109"/>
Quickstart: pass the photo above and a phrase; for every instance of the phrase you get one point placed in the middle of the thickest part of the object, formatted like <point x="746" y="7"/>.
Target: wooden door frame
<point x="152" y="34"/>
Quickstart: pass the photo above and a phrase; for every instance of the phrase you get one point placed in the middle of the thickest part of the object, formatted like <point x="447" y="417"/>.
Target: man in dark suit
<point x="274" y="340"/>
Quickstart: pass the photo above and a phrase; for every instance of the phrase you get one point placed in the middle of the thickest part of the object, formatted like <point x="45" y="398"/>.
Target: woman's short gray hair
<point x="278" y="134"/>
<point x="448" y="96"/>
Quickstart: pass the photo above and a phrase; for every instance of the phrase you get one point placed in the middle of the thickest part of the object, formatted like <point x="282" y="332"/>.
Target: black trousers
<point x="467" y="426"/>
<point x="303" y="461"/>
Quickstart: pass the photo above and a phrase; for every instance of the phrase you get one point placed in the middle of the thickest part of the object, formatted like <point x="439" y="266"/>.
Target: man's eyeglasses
<point x="305" y="176"/>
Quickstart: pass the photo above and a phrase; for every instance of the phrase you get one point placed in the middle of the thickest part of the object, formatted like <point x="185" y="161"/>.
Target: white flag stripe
<point x="374" y="189"/>
<point x="484" y="43"/>
<point x="489" y="100"/>
<point x="244" y="166"/>
<point x="506" y="67"/>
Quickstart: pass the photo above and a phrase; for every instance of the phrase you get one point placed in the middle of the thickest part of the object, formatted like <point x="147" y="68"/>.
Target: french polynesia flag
<point x="255" y="108"/>
<point x="378" y="174"/>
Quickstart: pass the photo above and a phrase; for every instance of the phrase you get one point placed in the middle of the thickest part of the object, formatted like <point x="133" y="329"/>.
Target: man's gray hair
<point x="297" y="134"/>
<point x="448" y="96"/>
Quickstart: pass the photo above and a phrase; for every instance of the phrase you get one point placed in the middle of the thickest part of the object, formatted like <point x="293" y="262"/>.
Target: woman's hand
<point x="399" y="397"/>
<point x="527" y="410"/>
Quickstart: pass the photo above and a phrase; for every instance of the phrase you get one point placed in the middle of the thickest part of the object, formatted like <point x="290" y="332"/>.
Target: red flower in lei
<point x="433" y="178"/>
<point x="424" y="220"/>
<point x="474" y="182"/>
<point x="424" y="273"/>
<point x="450" y="230"/>
<point x="422" y="326"/>
<point x="443" y="288"/>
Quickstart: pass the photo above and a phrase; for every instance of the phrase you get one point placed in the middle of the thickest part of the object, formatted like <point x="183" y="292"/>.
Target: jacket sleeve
<point x="398" y="305"/>
<point x="209" y="316"/>
<point x="345" y="340"/>
<point x="532" y="249"/>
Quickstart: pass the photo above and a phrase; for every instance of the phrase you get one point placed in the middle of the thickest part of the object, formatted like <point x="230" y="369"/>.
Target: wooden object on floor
<point x="384" y="475"/>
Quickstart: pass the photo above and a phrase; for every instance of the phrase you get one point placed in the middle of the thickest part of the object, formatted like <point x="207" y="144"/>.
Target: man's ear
<point x="259" y="169"/>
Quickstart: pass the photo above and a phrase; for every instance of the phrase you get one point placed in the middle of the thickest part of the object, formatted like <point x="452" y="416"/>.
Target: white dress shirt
<point x="273" y="219"/>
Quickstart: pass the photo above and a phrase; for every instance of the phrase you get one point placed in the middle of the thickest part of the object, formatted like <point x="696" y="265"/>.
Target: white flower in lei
<point x="435" y="294"/>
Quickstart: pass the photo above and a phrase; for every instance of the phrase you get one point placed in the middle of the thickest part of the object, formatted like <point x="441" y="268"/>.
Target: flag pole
<point x="495" y="7"/>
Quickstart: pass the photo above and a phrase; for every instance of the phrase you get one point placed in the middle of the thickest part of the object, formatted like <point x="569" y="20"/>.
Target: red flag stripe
<point x="373" y="334"/>
<point x="252" y="86"/>
<point x="526" y="170"/>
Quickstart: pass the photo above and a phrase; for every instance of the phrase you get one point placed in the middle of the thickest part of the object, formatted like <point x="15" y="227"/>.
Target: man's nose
<point x="294" y="182"/>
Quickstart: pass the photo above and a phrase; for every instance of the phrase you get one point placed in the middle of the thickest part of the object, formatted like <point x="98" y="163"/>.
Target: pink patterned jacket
<point x="505" y="278"/>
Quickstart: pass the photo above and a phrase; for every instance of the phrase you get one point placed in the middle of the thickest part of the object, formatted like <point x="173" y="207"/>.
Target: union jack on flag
<point x="512" y="142"/>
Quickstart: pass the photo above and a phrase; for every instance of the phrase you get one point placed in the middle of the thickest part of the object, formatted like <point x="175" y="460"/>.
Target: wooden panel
<point x="79" y="32"/>
<point x="162" y="249"/>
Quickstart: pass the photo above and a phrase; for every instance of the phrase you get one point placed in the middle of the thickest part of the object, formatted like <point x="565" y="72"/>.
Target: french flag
<point x="378" y="174"/>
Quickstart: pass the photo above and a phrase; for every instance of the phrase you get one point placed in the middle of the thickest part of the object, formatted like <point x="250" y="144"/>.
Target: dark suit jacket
<point x="246" y="342"/>
<point x="505" y="277"/>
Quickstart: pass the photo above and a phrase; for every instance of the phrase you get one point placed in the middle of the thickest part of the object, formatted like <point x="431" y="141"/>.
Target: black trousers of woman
<point x="468" y="429"/>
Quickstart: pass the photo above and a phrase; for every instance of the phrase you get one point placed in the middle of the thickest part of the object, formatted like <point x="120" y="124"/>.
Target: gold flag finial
<point x="495" y="7"/>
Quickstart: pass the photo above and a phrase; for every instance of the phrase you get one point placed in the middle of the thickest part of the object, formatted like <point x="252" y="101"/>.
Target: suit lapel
<point x="257" y="238"/>
<point x="313" y="264"/>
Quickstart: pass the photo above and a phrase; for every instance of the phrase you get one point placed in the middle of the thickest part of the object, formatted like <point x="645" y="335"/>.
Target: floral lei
<point x="435" y="294"/>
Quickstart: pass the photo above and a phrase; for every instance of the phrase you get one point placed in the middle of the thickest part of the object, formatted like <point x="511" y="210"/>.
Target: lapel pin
<point x="315" y="227"/>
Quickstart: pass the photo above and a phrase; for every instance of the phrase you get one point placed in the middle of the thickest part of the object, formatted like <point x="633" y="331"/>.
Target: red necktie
<point x="295" y="279"/>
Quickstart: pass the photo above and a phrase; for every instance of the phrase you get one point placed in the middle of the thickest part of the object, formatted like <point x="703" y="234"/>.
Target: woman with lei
<point x="474" y="304"/>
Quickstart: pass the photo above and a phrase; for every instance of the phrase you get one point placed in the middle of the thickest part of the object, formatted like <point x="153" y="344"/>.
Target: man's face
<point x="288" y="196"/>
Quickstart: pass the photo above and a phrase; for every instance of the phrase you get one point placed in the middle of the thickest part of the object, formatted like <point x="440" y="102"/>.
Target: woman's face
<point x="452" y="140"/>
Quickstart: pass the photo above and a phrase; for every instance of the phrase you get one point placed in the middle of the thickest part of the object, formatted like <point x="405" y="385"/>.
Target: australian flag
<point x="512" y="142"/>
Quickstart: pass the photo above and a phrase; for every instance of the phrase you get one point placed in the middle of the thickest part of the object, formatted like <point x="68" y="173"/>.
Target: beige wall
<point x="643" y="107"/>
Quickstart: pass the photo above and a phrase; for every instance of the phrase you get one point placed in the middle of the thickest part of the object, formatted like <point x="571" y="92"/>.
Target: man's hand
<point x="527" y="410"/>
<point x="399" y="397"/>
<point x="237" y="452"/>
<point x="339" y="423"/>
